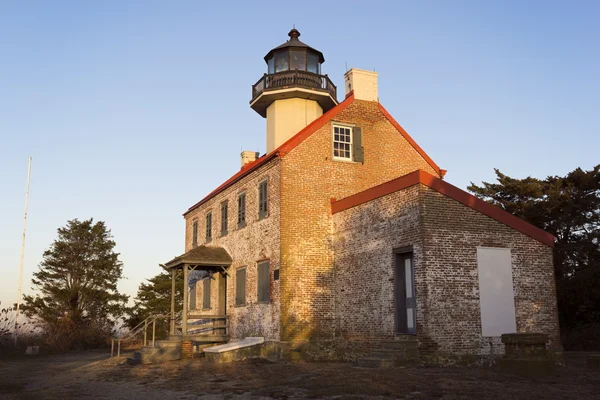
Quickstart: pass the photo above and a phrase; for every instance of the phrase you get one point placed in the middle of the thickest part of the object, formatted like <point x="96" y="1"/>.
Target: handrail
<point x="136" y="330"/>
<point x="296" y="77"/>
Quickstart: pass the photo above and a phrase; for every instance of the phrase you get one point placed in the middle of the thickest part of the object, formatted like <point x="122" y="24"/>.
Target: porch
<point x="212" y="263"/>
<point x="189" y="328"/>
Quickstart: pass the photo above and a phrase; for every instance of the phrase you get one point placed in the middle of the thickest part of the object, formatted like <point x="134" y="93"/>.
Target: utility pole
<point x="22" y="251"/>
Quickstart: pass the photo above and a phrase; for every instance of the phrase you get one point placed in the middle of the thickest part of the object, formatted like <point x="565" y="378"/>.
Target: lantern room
<point x="294" y="55"/>
<point x="293" y="92"/>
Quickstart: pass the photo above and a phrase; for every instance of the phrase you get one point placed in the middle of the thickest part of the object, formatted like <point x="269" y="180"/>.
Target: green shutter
<point x="206" y="293"/>
<point x="224" y="217"/>
<point x="192" y="301"/>
<point x="195" y="234"/>
<point x="264" y="281"/>
<point x="240" y="287"/>
<point x="263" y="199"/>
<point x="357" y="145"/>
<point x="208" y="226"/>
<point x="242" y="209"/>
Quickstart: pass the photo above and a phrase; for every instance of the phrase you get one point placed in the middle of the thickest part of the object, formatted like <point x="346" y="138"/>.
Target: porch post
<point x="185" y="300"/>
<point x="173" y="276"/>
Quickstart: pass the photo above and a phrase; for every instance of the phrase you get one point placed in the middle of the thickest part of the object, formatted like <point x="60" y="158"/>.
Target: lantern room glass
<point x="313" y="63"/>
<point x="298" y="60"/>
<point x="271" y="65"/>
<point x="281" y="61"/>
<point x="292" y="59"/>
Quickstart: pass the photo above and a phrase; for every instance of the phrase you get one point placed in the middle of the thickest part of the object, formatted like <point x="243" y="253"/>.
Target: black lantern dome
<point x="294" y="55"/>
<point x="293" y="70"/>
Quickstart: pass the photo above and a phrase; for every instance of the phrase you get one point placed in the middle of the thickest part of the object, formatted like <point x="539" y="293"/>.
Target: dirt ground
<point x="93" y="375"/>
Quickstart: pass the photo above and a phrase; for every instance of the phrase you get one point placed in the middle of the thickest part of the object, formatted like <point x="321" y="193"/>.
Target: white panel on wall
<point x="496" y="295"/>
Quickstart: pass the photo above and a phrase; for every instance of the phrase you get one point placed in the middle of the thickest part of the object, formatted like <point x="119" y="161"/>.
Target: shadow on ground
<point x="94" y="375"/>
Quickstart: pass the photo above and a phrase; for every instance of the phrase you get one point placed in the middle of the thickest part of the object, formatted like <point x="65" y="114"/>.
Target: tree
<point x="569" y="208"/>
<point x="77" y="280"/>
<point x="154" y="298"/>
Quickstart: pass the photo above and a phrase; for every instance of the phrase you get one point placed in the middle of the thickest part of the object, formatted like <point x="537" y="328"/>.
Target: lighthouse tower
<point x="293" y="92"/>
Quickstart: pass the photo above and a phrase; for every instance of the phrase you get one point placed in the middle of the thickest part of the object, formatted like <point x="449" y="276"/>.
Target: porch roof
<point x="203" y="257"/>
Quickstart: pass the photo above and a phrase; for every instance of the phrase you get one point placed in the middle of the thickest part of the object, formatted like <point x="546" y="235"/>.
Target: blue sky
<point x="134" y="110"/>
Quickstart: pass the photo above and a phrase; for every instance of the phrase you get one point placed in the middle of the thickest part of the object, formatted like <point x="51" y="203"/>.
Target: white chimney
<point x="248" y="156"/>
<point x="363" y="83"/>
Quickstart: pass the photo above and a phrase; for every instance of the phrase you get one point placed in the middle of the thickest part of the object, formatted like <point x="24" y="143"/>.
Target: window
<point x="195" y="233"/>
<point x="192" y="301"/>
<point x="263" y="199"/>
<point x="208" y="226"/>
<point x="313" y="62"/>
<point x="342" y="142"/>
<point x="347" y="143"/>
<point x="281" y="61"/>
<point x="224" y="213"/>
<point x="240" y="287"/>
<point x="298" y="60"/>
<point x="206" y="293"/>
<point x="242" y="209"/>
<point x="271" y="65"/>
<point x="264" y="282"/>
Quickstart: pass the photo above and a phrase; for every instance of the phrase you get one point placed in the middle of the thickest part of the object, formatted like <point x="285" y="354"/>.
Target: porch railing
<point x="140" y="328"/>
<point x="305" y="79"/>
<point x="206" y="325"/>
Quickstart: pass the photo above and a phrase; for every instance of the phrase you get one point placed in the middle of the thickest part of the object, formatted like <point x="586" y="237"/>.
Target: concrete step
<point x="372" y="362"/>
<point x="149" y="354"/>
<point x="250" y="347"/>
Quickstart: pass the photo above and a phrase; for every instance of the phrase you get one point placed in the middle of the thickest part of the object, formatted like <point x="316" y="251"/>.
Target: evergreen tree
<point x="569" y="208"/>
<point x="154" y="298"/>
<point x="77" y="280"/>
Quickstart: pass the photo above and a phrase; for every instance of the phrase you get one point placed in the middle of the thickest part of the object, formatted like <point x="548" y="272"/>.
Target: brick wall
<point x="451" y="234"/>
<point x="444" y="234"/>
<point x="258" y="240"/>
<point x="310" y="178"/>
<point x="364" y="239"/>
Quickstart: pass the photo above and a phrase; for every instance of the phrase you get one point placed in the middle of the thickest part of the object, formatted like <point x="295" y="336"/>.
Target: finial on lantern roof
<point x="294" y="33"/>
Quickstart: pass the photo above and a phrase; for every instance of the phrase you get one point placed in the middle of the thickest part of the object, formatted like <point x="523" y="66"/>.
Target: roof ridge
<point x="448" y="190"/>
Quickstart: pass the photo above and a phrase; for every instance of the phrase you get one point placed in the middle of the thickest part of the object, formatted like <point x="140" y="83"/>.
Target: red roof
<point x="448" y="190"/>
<point x="298" y="138"/>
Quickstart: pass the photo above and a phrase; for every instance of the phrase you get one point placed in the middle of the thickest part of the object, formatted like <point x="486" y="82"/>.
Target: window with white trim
<point x="342" y="142"/>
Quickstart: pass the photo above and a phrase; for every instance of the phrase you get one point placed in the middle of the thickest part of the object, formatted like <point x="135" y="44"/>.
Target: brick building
<point x="345" y="235"/>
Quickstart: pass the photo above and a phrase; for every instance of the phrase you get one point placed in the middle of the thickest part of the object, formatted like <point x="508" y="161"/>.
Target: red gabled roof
<point x="298" y="138"/>
<point x="448" y="190"/>
<point x="280" y="151"/>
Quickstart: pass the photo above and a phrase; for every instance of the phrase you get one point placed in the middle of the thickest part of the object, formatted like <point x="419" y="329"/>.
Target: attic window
<point x="347" y="143"/>
<point x="342" y="142"/>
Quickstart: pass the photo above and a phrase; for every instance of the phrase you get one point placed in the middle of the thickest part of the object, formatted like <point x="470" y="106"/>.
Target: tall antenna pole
<point x="22" y="250"/>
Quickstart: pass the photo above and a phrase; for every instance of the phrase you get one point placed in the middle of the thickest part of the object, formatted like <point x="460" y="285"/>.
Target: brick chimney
<point x="248" y="156"/>
<point x="362" y="83"/>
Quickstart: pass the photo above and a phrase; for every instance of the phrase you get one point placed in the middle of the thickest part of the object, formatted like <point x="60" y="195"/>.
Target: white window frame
<point x="333" y="141"/>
